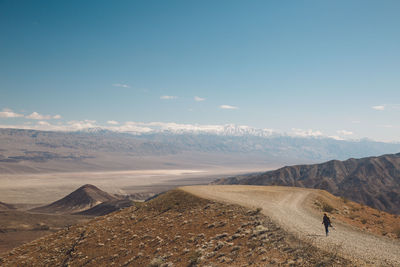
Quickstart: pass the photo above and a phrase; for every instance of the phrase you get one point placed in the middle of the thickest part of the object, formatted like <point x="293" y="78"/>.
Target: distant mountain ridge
<point x="374" y="181"/>
<point x="83" y="198"/>
<point x="27" y="151"/>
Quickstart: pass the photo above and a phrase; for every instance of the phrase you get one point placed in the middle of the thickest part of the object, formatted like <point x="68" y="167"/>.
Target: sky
<point x="319" y="68"/>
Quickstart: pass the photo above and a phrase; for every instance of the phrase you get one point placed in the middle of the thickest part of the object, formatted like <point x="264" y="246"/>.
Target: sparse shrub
<point x="254" y="212"/>
<point x="259" y="230"/>
<point x="327" y="208"/>
<point x="353" y="216"/>
<point x="345" y="200"/>
<point x="396" y="231"/>
<point x="156" y="262"/>
<point x="252" y="244"/>
<point x="41" y="227"/>
<point x="194" y="258"/>
<point x="363" y="221"/>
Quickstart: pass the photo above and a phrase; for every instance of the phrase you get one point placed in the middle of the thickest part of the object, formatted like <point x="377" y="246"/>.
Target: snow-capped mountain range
<point x="145" y="128"/>
<point x="173" y="145"/>
<point x="174" y="128"/>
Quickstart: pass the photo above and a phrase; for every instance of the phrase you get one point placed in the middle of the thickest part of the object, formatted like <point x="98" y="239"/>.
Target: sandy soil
<point x="290" y="208"/>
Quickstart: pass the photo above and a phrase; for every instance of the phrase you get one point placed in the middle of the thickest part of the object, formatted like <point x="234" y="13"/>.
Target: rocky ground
<point x="360" y="216"/>
<point x="296" y="210"/>
<point x="174" y="229"/>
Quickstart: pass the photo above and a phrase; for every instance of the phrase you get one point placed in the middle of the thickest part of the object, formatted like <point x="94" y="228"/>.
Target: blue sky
<point x="325" y="67"/>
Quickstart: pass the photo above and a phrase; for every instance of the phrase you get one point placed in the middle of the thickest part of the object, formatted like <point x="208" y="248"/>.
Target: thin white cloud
<point x="355" y="121"/>
<point x="138" y="128"/>
<point x="132" y="127"/>
<point x="81" y="125"/>
<point x="336" y="137"/>
<point x="8" y="113"/>
<point x="153" y="127"/>
<point x="306" y="133"/>
<point x="64" y="127"/>
<point x="344" y="132"/>
<point x="380" y="107"/>
<point x="198" y="99"/>
<point x="121" y="85"/>
<point x="168" y="97"/>
<point x="44" y="123"/>
<point x="387" y="126"/>
<point x="113" y="122"/>
<point x="37" y="116"/>
<point x="227" y="107"/>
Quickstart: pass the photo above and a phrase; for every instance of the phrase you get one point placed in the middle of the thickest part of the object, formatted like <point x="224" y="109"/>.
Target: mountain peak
<point x="85" y="197"/>
<point x="88" y="186"/>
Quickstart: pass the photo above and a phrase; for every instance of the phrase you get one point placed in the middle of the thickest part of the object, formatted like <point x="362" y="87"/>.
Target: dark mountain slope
<point x="107" y="207"/>
<point x="5" y="206"/>
<point x="374" y="181"/>
<point x="81" y="199"/>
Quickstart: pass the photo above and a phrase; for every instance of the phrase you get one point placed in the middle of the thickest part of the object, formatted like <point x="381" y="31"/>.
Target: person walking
<point x="326" y="222"/>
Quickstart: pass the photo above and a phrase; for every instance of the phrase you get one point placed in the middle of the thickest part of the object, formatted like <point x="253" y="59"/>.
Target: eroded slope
<point x="373" y="181"/>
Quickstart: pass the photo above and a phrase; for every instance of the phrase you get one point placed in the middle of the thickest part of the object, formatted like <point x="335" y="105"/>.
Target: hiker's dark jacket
<point x="326" y="221"/>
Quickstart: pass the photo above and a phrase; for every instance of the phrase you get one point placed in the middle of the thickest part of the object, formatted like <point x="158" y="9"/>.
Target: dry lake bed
<point x="48" y="187"/>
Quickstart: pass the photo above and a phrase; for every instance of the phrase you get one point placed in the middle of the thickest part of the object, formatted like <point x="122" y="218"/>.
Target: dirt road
<point x="289" y="207"/>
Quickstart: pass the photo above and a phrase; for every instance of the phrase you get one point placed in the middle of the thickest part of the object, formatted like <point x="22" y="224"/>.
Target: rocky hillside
<point x="367" y="219"/>
<point x="174" y="229"/>
<point x="374" y="181"/>
<point x="81" y="199"/>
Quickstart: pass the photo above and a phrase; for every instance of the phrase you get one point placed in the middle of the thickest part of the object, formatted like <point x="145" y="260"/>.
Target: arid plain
<point x="40" y="188"/>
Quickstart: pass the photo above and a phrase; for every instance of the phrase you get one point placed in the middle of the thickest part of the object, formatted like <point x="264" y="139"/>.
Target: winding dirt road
<point x="290" y="208"/>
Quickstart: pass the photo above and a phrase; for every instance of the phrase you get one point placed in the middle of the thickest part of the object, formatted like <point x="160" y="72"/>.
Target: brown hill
<point x="374" y="181"/>
<point x="5" y="206"/>
<point x="81" y="199"/>
<point x="19" y="227"/>
<point x="107" y="207"/>
<point x="174" y="229"/>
